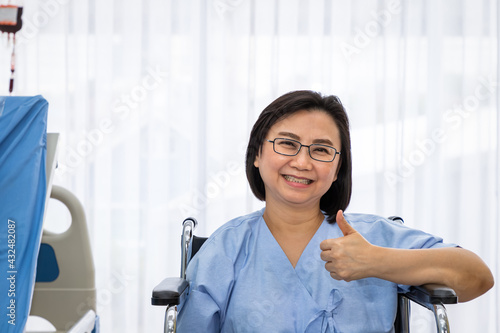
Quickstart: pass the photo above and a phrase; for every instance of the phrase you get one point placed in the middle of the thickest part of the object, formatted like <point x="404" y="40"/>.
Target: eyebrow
<point x="296" y="137"/>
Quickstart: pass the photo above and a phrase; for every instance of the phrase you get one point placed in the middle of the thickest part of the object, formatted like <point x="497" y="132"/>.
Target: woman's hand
<point x="347" y="258"/>
<point x="352" y="257"/>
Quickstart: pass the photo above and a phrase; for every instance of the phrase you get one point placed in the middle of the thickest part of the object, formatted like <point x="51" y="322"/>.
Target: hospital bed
<point x="43" y="274"/>
<point x="173" y="290"/>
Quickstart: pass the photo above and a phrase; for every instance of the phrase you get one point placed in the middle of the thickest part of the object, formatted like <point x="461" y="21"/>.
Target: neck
<point x="291" y="221"/>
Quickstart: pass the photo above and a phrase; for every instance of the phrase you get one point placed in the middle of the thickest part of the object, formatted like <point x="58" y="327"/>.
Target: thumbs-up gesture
<point x="348" y="257"/>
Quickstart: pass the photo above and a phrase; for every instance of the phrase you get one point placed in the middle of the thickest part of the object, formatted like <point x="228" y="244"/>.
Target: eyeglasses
<point x="318" y="152"/>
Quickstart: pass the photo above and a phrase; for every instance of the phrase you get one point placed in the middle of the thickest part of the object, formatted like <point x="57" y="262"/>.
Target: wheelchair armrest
<point x="170" y="291"/>
<point x="430" y="294"/>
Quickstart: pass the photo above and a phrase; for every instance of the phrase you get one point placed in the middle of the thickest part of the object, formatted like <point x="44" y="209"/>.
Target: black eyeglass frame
<point x="308" y="149"/>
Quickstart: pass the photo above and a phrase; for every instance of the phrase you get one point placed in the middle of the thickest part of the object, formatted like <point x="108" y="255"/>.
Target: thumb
<point x="344" y="226"/>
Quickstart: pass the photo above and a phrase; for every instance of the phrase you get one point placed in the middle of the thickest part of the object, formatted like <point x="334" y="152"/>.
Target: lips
<point x="304" y="181"/>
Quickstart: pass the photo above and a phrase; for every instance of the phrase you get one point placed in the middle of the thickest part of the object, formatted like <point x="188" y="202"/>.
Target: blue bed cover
<point x="23" y="135"/>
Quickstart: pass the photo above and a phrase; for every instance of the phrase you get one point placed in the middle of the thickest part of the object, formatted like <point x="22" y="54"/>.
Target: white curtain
<point x="155" y="99"/>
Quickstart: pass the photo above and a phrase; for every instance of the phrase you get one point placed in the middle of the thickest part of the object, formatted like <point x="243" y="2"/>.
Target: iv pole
<point x="10" y="23"/>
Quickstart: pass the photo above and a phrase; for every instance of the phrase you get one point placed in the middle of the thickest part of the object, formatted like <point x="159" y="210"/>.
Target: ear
<point x="256" y="161"/>
<point x="337" y="171"/>
<point x="338" y="168"/>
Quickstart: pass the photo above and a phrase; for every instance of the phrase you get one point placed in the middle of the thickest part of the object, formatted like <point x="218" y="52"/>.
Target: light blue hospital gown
<point x="242" y="281"/>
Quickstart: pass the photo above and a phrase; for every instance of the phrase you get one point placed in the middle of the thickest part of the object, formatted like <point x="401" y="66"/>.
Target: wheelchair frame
<point x="173" y="290"/>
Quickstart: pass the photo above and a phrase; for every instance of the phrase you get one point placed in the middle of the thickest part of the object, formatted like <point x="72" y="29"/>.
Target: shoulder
<point x="223" y="251"/>
<point x="242" y="224"/>
<point x="369" y="221"/>
<point x="233" y="235"/>
<point x="373" y="225"/>
<point x="364" y="218"/>
<point x="385" y="232"/>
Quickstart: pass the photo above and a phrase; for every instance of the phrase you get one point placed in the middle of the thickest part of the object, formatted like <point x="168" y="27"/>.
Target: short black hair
<point x="338" y="195"/>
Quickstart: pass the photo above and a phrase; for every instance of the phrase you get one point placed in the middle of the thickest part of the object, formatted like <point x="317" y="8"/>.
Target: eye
<point x="321" y="150"/>
<point x="287" y="144"/>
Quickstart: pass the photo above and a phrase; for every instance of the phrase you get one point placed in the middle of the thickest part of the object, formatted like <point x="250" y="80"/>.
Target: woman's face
<point x="299" y="180"/>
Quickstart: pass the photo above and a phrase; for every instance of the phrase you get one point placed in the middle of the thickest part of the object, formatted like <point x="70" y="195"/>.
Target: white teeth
<point x="297" y="180"/>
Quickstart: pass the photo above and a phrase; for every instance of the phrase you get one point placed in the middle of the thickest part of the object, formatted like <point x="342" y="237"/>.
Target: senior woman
<point x="300" y="264"/>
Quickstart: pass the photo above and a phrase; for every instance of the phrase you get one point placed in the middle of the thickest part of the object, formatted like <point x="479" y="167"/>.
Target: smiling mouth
<point x="298" y="180"/>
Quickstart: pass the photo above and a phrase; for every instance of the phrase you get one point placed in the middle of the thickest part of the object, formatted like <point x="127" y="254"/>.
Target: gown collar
<point x="302" y="274"/>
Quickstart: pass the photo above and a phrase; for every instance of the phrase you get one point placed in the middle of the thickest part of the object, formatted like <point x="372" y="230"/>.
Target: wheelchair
<point x="173" y="290"/>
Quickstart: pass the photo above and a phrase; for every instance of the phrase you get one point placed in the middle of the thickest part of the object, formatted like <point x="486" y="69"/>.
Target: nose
<point x="302" y="160"/>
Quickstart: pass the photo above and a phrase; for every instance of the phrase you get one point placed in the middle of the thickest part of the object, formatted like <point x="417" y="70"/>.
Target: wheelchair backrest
<point x="196" y="245"/>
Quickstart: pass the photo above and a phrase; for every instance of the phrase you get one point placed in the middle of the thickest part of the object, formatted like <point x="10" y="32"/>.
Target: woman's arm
<point x="457" y="268"/>
<point x="352" y="257"/>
